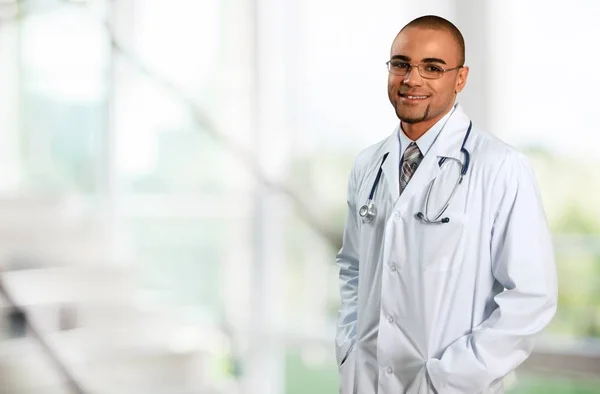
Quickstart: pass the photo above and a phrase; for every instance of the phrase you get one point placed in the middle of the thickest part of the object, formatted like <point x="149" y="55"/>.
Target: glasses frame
<point x="417" y="66"/>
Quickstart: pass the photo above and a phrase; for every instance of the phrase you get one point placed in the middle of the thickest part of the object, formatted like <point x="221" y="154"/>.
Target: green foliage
<point x="555" y="385"/>
<point x="576" y="220"/>
<point x="302" y="379"/>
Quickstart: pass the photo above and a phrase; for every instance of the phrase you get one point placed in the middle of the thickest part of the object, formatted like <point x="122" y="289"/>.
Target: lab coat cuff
<point x="436" y="376"/>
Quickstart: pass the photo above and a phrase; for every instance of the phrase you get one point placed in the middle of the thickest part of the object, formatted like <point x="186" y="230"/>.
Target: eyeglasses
<point x="426" y="70"/>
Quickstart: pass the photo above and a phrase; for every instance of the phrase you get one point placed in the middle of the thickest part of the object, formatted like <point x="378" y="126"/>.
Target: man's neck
<point x="415" y="130"/>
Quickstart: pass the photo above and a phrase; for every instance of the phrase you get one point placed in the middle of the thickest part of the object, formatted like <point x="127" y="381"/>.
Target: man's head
<point x="423" y="96"/>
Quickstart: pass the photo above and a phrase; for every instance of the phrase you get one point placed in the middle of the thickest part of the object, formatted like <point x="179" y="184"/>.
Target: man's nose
<point x="413" y="78"/>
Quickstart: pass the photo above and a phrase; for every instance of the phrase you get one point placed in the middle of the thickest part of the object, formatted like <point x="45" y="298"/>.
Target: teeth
<point x="417" y="97"/>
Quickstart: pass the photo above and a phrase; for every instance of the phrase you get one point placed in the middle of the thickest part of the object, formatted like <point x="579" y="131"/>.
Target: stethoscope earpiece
<point x="424" y="219"/>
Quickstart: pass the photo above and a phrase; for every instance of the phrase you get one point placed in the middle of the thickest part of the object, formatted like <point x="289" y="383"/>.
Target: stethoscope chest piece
<point x="368" y="212"/>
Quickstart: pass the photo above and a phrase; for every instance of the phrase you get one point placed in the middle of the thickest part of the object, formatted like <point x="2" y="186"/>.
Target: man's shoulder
<point x="492" y="152"/>
<point x="371" y="153"/>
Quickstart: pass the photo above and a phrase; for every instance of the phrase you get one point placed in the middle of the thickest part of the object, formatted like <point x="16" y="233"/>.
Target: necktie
<point x="412" y="159"/>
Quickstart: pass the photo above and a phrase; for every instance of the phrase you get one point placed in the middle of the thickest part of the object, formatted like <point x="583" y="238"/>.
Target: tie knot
<point x="412" y="152"/>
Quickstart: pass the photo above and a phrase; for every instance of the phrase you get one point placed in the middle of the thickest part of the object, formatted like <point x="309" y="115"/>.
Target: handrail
<point x="70" y="382"/>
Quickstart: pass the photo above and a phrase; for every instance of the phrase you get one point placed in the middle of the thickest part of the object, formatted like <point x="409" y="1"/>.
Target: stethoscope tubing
<point x="369" y="210"/>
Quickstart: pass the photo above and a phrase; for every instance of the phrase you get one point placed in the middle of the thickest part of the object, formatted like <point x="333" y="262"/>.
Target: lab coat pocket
<point x="437" y="246"/>
<point x="346" y="373"/>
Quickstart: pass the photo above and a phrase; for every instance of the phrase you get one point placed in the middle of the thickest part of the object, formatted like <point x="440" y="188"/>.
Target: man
<point x="446" y="270"/>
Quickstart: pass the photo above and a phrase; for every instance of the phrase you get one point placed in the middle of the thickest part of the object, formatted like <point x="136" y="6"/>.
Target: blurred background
<point x="173" y="178"/>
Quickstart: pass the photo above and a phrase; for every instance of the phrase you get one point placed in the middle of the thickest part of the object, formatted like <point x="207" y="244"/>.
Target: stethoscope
<point x="368" y="211"/>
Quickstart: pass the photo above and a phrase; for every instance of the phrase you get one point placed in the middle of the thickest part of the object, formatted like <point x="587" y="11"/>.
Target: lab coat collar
<point x="424" y="142"/>
<point x="447" y="144"/>
<point x="451" y="137"/>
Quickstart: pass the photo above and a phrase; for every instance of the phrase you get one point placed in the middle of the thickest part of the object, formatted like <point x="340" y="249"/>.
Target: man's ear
<point x="461" y="81"/>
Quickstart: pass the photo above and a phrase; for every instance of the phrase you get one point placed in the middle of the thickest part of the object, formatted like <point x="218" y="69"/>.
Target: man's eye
<point x="401" y="65"/>
<point x="433" y="68"/>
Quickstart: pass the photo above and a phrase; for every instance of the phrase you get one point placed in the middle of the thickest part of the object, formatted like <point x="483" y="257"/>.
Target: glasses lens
<point x="398" y="67"/>
<point x="431" y="71"/>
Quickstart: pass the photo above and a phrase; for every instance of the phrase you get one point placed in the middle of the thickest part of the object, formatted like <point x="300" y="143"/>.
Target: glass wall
<point x="216" y="138"/>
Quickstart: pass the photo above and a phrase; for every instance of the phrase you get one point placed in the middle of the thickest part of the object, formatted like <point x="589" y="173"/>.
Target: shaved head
<point x="426" y="72"/>
<point x="438" y="23"/>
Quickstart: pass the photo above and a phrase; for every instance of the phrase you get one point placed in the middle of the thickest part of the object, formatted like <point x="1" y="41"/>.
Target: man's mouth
<point x="413" y="96"/>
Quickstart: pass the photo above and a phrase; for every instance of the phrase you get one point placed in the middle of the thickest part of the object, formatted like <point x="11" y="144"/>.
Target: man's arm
<point x="523" y="262"/>
<point x="347" y="260"/>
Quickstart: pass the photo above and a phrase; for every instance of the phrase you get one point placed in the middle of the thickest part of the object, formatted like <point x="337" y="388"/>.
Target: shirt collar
<point x="426" y="140"/>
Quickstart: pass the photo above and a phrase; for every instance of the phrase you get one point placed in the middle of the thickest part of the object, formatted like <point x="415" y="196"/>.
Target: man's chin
<point x="412" y="115"/>
<point x="410" y="118"/>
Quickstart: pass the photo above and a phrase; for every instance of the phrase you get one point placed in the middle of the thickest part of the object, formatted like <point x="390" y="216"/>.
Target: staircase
<point x="59" y="266"/>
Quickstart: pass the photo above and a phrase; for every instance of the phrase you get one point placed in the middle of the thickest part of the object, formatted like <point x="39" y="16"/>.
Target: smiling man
<point x="434" y="47"/>
<point x="447" y="271"/>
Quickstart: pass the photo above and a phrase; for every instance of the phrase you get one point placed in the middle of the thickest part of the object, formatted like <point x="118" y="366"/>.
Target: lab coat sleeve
<point x="347" y="261"/>
<point x="523" y="263"/>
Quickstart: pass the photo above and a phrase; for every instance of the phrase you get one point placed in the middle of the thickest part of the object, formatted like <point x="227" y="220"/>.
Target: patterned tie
<point x="412" y="159"/>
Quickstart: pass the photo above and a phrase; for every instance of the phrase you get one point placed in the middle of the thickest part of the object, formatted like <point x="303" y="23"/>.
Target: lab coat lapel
<point x="391" y="166"/>
<point x="447" y="144"/>
<point x="451" y="137"/>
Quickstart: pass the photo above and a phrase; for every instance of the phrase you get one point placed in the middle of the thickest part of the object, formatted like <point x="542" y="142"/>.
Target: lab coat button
<point x="396" y="215"/>
<point x="390" y="319"/>
<point x="389" y="370"/>
<point x="393" y="267"/>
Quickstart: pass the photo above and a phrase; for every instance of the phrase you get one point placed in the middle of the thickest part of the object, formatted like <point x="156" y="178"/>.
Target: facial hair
<point x="414" y="120"/>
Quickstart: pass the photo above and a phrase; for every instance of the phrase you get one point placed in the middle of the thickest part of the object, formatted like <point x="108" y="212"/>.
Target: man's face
<point x="417" y="99"/>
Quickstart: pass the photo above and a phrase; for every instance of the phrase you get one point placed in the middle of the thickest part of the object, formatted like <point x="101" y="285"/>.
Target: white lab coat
<point x="448" y="308"/>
